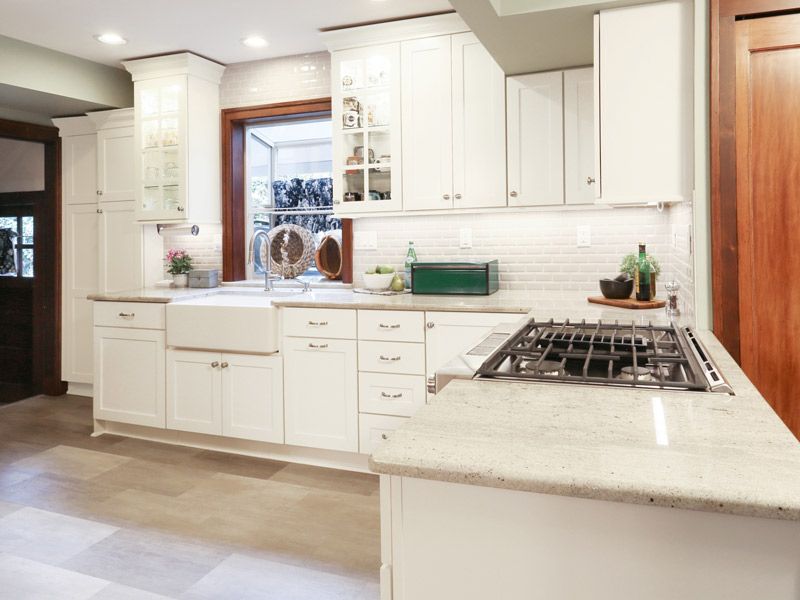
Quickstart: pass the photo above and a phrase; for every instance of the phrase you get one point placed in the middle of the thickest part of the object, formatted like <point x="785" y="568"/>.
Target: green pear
<point x="397" y="283"/>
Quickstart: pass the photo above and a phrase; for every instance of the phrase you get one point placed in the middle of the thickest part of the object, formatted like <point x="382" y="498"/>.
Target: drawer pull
<point x="215" y="364"/>
<point x="384" y="436"/>
<point x="317" y="323"/>
<point x="389" y="358"/>
<point x="430" y="384"/>
<point x="385" y="326"/>
<point x="127" y="315"/>
<point x="317" y="346"/>
<point x="391" y="396"/>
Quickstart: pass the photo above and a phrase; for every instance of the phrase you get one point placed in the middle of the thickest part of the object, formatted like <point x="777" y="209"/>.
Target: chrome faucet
<point x="251" y="260"/>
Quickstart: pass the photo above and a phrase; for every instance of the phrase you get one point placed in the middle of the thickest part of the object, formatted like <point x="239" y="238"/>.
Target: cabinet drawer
<point x="391" y="325"/>
<point x="333" y="323"/>
<point x="137" y="315"/>
<point x="385" y="394"/>
<point x="374" y="429"/>
<point x="391" y="357"/>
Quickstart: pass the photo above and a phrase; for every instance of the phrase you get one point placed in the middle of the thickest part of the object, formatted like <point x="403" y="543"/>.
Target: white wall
<point x="21" y="166"/>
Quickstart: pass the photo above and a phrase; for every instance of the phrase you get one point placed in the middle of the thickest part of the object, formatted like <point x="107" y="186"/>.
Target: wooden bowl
<point x="329" y="257"/>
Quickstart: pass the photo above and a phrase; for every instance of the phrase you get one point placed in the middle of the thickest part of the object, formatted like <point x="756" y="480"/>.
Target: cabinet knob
<point x="215" y="364"/>
<point x="430" y="384"/>
<point x="99" y="211"/>
<point x="99" y="192"/>
<point x="513" y="194"/>
<point x="430" y="325"/>
<point x="224" y="365"/>
<point x="384" y="436"/>
<point x="458" y="196"/>
<point x="446" y="196"/>
<point x="590" y="180"/>
<point x="180" y="209"/>
<point x="317" y="346"/>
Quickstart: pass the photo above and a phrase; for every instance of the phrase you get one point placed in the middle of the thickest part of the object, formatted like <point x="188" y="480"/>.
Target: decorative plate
<point x="292" y="250"/>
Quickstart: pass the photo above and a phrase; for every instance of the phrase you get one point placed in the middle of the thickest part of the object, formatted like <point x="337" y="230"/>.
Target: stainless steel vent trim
<point x="716" y="381"/>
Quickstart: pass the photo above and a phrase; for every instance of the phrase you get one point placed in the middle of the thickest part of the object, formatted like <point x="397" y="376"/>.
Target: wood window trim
<point x="234" y="123"/>
<point x="47" y="263"/>
<point x="722" y="129"/>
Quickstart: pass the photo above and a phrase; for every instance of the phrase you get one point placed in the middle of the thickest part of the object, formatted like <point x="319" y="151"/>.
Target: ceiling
<point x="211" y="28"/>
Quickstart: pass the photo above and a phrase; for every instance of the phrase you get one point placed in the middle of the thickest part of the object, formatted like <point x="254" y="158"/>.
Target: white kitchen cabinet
<point x="375" y="429"/>
<point x="120" y="252"/>
<point x="579" y="136"/>
<point x="366" y="114"/>
<point x="79" y="255"/>
<point x="129" y="375"/>
<point x="479" y="126"/>
<point x="535" y="139"/>
<point x="78" y="163"/>
<point x="194" y="397"/>
<point x="644" y="57"/>
<point x="427" y="113"/>
<point x="448" y="334"/>
<point x="252" y="397"/>
<point x="321" y="393"/>
<point x="115" y="174"/>
<point x="176" y="102"/>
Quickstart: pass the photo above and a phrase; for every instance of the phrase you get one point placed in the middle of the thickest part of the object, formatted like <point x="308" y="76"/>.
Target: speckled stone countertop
<point x="720" y="453"/>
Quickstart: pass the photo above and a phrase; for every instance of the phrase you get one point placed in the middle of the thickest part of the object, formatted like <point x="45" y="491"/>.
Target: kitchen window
<point x="16" y="246"/>
<point x="288" y="180"/>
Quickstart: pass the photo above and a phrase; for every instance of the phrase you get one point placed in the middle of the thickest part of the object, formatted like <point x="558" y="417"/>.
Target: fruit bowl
<point x="378" y="281"/>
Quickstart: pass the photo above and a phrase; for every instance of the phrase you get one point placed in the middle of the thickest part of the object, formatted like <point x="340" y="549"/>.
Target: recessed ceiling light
<point x="112" y="39"/>
<point x="254" y="41"/>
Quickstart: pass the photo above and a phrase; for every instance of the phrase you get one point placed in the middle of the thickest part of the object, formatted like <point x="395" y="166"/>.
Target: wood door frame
<point x="234" y="122"/>
<point x="724" y="223"/>
<point x="47" y="257"/>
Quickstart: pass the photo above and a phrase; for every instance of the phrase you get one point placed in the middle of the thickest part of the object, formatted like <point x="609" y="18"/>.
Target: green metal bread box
<point x="474" y="278"/>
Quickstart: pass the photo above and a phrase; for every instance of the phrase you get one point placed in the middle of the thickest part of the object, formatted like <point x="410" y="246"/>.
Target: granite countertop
<point x="716" y="452"/>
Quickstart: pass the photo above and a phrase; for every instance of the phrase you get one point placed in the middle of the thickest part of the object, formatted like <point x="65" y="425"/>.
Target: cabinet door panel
<point x="535" y="140"/>
<point x="479" y="125"/>
<point x="579" y="175"/>
<point x="427" y="124"/>
<point x="129" y="386"/>
<point x="79" y="168"/>
<point x="120" y="247"/>
<point x="115" y="170"/>
<point x="193" y="391"/>
<point x="321" y="393"/>
<point x="252" y="397"/>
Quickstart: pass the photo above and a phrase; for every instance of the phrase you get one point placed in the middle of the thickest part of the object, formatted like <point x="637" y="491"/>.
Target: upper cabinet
<point x="579" y="137"/>
<point x="644" y="60"/>
<point x="176" y="102"/>
<point x="366" y="109"/>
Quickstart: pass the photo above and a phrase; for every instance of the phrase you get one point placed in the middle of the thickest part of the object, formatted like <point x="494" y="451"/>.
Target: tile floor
<point x="123" y="519"/>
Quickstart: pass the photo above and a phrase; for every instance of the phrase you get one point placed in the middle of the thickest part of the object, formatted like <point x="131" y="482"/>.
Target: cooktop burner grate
<point x="627" y="355"/>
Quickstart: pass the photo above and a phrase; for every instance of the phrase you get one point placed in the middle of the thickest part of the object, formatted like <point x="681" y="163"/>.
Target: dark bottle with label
<point x="642" y="276"/>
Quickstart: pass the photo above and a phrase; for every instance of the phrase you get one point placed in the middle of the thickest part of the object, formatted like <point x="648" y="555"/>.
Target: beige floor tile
<point x="11" y="476"/>
<point x="247" y="578"/>
<point x="149" y="561"/>
<point x="8" y="507"/>
<point x="13" y="450"/>
<point x="233" y="464"/>
<point x="152" y="451"/>
<point x="328" y="479"/>
<point x="24" y="579"/>
<point x="48" y="537"/>
<point x="156" y="477"/>
<point x="117" y="591"/>
<point x="68" y="461"/>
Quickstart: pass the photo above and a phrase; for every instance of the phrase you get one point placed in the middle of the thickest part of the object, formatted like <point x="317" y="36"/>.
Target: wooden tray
<point x="632" y="303"/>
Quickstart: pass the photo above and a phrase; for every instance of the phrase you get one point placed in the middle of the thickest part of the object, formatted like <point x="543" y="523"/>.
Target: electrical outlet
<point x="465" y="238"/>
<point x="584" y="236"/>
<point x="365" y="240"/>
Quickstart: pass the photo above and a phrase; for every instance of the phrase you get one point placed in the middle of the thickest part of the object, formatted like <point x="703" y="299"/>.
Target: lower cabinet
<point x="235" y="395"/>
<point x="129" y="375"/>
<point x="321" y="393"/>
<point x="373" y="429"/>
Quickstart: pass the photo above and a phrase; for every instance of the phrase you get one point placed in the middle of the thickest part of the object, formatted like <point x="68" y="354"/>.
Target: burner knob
<point x="430" y="325"/>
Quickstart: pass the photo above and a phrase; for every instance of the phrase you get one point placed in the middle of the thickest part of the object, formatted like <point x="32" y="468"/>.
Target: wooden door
<point x="321" y="393"/>
<point x="768" y="213"/>
<point x="479" y="125"/>
<point x="535" y="139"/>
<point x="252" y="397"/>
<point x="427" y="123"/>
<point x="194" y="396"/>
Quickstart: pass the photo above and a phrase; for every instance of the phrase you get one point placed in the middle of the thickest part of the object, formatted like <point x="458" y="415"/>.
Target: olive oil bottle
<point x="642" y="275"/>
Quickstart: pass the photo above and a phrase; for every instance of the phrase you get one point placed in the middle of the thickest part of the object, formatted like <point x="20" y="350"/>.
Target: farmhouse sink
<point x="236" y="321"/>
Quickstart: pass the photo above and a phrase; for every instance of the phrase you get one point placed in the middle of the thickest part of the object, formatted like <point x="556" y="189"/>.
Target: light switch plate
<point x="465" y="238"/>
<point x="584" y="236"/>
<point x="365" y="240"/>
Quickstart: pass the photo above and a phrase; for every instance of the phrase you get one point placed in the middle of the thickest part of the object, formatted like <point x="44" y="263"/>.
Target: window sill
<point x="316" y="283"/>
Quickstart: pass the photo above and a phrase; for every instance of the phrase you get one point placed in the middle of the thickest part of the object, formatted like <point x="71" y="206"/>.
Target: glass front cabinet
<point x="366" y="130"/>
<point x="175" y="99"/>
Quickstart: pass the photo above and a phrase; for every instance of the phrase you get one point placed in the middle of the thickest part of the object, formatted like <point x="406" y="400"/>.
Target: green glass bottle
<point x="411" y="258"/>
<point x="642" y="276"/>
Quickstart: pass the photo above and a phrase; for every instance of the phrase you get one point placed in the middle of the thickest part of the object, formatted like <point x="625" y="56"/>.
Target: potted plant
<point x="179" y="263"/>
<point x="628" y="266"/>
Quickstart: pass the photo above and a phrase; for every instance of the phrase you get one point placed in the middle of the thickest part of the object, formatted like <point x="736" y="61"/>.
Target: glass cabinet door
<point x="366" y="132"/>
<point x="160" y="107"/>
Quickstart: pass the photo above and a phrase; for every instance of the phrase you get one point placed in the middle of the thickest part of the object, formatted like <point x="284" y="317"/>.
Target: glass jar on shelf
<point x="151" y="199"/>
<point x="171" y="200"/>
